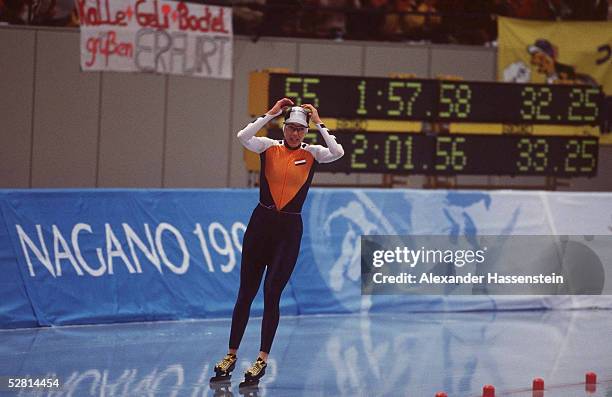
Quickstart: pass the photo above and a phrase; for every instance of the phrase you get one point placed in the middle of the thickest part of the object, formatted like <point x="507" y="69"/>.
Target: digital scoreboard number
<point x="346" y="97"/>
<point x="401" y="153"/>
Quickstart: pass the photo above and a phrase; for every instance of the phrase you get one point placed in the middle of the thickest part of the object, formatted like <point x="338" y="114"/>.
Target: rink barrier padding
<point x="115" y="255"/>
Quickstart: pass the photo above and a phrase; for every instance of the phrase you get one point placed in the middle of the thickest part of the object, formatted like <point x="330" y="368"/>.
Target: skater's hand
<point x="279" y="105"/>
<point x="314" y="114"/>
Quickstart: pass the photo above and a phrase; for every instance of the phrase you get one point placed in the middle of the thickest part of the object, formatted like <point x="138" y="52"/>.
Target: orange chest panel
<point x="286" y="172"/>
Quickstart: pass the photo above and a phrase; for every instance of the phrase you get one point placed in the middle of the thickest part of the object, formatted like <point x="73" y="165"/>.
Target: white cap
<point x="298" y="115"/>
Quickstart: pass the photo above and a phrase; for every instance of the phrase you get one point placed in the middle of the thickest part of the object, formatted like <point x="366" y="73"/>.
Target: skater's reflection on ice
<point x="224" y="389"/>
<point x="249" y="391"/>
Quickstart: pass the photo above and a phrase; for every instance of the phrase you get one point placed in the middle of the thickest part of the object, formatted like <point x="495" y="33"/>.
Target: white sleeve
<point x="257" y="144"/>
<point x="332" y="152"/>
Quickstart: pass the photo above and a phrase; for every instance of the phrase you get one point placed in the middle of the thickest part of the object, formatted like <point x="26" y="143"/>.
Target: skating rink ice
<point x="332" y="355"/>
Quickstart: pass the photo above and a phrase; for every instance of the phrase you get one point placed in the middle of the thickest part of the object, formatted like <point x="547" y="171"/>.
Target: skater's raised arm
<point x="257" y="144"/>
<point x="323" y="154"/>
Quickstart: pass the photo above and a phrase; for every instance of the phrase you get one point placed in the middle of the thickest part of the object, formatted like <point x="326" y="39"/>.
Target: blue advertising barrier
<point x="106" y="255"/>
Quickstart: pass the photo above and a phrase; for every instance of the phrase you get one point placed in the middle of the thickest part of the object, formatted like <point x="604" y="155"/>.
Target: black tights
<point x="272" y="240"/>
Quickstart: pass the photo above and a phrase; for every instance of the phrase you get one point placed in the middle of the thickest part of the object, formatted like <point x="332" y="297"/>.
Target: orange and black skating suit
<point x="274" y="233"/>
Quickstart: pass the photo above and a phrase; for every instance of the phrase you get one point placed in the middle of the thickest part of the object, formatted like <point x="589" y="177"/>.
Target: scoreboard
<point x="436" y="100"/>
<point x="397" y="153"/>
<point x="400" y="107"/>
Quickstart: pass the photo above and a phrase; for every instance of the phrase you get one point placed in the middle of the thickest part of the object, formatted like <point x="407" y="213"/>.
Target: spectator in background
<point x="587" y="9"/>
<point x="2" y="12"/>
<point x="478" y="22"/>
<point x="37" y="12"/>
<point x="459" y="21"/>
<point x="308" y="19"/>
<point x="367" y="19"/>
<point x="393" y="28"/>
<point x="535" y="9"/>
<point x="332" y="18"/>
<point x="410" y="23"/>
<point x="467" y="21"/>
<point x="281" y="18"/>
<point x="247" y="18"/>
<point x="14" y="12"/>
<point x="425" y="25"/>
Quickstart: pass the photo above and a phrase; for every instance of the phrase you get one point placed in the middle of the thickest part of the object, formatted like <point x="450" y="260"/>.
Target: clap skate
<point x="224" y="368"/>
<point x="254" y="373"/>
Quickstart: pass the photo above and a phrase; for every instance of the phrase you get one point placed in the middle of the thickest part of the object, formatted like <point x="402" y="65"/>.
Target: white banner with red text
<point x="156" y="36"/>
